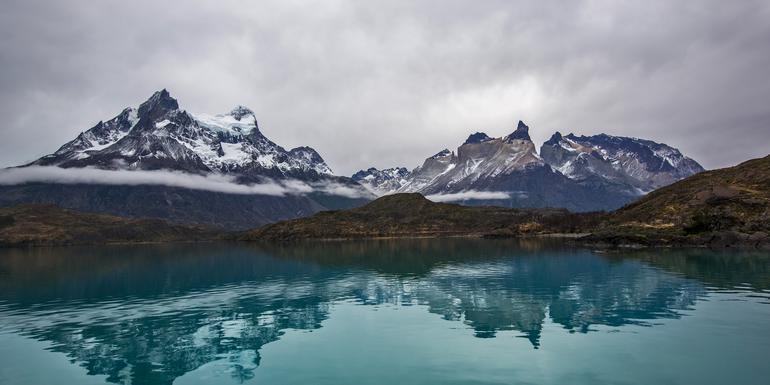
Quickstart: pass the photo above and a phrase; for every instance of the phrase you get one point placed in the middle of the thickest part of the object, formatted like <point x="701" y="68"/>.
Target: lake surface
<point x="383" y="312"/>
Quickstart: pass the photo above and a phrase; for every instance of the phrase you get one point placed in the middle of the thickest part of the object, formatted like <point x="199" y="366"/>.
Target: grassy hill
<point x="412" y="215"/>
<point x="48" y="225"/>
<point x="724" y="207"/>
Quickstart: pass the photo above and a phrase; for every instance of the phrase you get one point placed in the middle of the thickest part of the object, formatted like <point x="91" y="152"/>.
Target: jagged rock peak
<point x="159" y="135"/>
<point x="642" y="165"/>
<point x="555" y="138"/>
<point x="521" y="132"/>
<point x="240" y="111"/>
<point x="384" y="181"/>
<point x="443" y="153"/>
<point x="305" y="150"/>
<point x="478" y="137"/>
<point x="158" y="104"/>
<point x="311" y="159"/>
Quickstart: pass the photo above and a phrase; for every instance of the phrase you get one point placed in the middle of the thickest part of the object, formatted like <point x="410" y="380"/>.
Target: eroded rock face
<point x="478" y="159"/>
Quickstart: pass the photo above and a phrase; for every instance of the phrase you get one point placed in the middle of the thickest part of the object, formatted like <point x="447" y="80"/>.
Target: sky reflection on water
<point x="154" y="314"/>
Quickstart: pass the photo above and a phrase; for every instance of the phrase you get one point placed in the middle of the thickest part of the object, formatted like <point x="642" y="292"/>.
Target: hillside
<point x="724" y="207"/>
<point x="48" y="225"/>
<point x="412" y="215"/>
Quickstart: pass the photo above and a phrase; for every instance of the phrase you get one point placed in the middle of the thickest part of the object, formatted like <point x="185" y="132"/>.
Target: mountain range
<point x="720" y="208"/>
<point x="159" y="136"/>
<point x="143" y="153"/>
<point x="580" y="173"/>
<point x="728" y="207"/>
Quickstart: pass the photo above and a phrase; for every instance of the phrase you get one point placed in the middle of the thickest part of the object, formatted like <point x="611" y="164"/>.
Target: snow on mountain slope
<point x="382" y="182"/>
<point x="227" y="149"/>
<point x="159" y="135"/>
<point x="479" y="158"/>
<point x="640" y="164"/>
<point x="433" y="167"/>
<point x="578" y="173"/>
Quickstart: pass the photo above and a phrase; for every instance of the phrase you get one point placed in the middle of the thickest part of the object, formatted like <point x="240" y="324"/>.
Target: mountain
<point x="601" y="172"/>
<point x="47" y="225"/>
<point x="478" y="160"/>
<point x="382" y="182"/>
<point x="506" y="171"/>
<point x="720" y="208"/>
<point x="640" y="164"/>
<point x="577" y="173"/>
<point x="158" y="135"/>
<point x="725" y="207"/>
<point x="412" y="215"/>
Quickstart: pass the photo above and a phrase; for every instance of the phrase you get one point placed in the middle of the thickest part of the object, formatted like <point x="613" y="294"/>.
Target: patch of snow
<point x="267" y="160"/>
<point x="162" y="123"/>
<point x="114" y="139"/>
<point x="225" y="123"/>
<point x="234" y="154"/>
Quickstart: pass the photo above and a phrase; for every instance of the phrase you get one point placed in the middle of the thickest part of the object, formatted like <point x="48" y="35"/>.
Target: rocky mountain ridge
<point x="599" y="172"/>
<point x="160" y="135"/>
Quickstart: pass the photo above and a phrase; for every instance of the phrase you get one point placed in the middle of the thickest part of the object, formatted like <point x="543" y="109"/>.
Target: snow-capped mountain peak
<point x="158" y="134"/>
<point x="239" y="112"/>
<point x="641" y="164"/>
<point x="311" y="158"/>
<point x="581" y="173"/>
<point x="159" y="104"/>
<point x="382" y="182"/>
<point x="479" y="158"/>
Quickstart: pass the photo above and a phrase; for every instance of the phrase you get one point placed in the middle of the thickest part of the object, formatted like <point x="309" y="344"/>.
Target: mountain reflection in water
<point x="149" y="314"/>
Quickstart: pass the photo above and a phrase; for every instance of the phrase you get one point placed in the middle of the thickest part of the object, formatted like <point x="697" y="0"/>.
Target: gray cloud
<point x="210" y="182"/>
<point x="388" y="83"/>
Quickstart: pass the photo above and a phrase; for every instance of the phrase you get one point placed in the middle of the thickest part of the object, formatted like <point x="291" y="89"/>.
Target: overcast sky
<point x="387" y="83"/>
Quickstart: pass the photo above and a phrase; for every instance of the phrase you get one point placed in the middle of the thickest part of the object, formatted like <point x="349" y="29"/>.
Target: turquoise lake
<point x="451" y="311"/>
